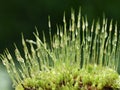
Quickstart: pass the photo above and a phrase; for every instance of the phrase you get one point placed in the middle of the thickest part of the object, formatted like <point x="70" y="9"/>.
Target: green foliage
<point x="73" y="79"/>
<point x="78" y="56"/>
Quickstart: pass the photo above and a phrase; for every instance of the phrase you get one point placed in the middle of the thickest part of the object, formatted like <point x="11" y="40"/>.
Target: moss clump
<point x="78" y="57"/>
<point x="69" y="78"/>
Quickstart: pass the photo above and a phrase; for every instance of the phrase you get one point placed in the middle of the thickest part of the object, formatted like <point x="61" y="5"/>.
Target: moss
<point x="67" y="79"/>
<point x="78" y="57"/>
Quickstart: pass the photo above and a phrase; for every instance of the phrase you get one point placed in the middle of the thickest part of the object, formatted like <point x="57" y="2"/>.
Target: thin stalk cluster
<point x="77" y="48"/>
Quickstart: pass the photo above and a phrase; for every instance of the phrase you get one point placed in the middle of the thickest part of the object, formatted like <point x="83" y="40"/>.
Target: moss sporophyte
<point x="78" y="57"/>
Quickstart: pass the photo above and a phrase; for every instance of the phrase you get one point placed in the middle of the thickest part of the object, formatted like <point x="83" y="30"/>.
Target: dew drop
<point x="8" y="71"/>
<point x="106" y="34"/>
<point x="89" y="38"/>
<point x="4" y="62"/>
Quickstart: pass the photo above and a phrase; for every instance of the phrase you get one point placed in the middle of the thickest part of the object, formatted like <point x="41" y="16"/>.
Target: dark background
<point x="18" y="16"/>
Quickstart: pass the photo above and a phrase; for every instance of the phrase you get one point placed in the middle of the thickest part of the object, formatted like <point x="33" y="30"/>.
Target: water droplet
<point x="61" y="34"/>
<point x="5" y="62"/>
<point x="114" y="43"/>
<point x="8" y="71"/>
<point x="106" y="34"/>
<point x="89" y="38"/>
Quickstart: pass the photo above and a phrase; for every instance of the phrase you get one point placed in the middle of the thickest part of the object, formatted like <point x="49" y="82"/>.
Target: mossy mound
<point x="72" y="78"/>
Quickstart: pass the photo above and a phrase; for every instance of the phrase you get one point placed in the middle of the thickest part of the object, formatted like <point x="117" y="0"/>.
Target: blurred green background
<point x="18" y="16"/>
